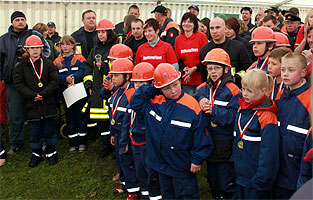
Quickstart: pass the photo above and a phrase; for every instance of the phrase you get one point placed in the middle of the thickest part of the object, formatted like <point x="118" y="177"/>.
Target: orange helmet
<point x="263" y="34"/>
<point x="33" y="41"/>
<point x="143" y="72"/>
<point x="122" y="66"/>
<point x="282" y="40"/>
<point x="120" y="51"/>
<point x="105" y="24"/>
<point x="165" y="74"/>
<point x="219" y="56"/>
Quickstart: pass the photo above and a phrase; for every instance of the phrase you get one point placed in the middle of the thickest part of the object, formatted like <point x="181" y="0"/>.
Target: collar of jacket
<point x="296" y="92"/>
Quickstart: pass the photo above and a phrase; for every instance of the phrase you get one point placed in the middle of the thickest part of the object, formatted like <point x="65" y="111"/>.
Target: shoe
<point x="72" y="149"/>
<point x="14" y="150"/>
<point x="116" y="177"/>
<point x="34" y="161"/>
<point x="82" y="148"/>
<point x="118" y="189"/>
<point x="132" y="196"/>
<point x="53" y="160"/>
<point x="2" y="162"/>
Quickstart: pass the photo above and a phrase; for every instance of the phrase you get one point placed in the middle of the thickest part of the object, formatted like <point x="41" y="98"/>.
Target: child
<point x="218" y="98"/>
<point x="263" y="40"/>
<point x="133" y="131"/>
<point x="294" y="110"/>
<point x="175" y="133"/>
<point x="71" y="71"/>
<point x="36" y="79"/>
<point x="96" y="69"/>
<point x="256" y="145"/>
<point x="119" y="92"/>
<point x="274" y="68"/>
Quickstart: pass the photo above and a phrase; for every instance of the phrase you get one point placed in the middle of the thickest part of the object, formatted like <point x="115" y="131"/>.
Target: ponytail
<point x="269" y="86"/>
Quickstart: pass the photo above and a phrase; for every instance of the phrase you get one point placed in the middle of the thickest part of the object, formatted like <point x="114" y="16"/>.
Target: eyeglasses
<point x="216" y="68"/>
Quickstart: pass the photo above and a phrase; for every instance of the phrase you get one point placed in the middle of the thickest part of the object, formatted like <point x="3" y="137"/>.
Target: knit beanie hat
<point x="17" y="14"/>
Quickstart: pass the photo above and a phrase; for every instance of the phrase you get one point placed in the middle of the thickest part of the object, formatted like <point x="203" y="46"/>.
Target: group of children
<point x="251" y="138"/>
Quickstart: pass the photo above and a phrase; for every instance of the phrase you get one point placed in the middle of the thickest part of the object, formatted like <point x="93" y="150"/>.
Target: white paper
<point x="74" y="93"/>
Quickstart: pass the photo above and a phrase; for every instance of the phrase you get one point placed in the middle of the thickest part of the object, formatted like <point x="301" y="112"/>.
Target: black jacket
<point x="54" y="38"/>
<point x="26" y="83"/>
<point x="238" y="54"/>
<point x="132" y="43"/>
<point x="80" y="38"/>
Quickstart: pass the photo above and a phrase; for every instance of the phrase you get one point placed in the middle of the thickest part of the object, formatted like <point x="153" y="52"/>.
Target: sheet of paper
<point x="74" y="93"/>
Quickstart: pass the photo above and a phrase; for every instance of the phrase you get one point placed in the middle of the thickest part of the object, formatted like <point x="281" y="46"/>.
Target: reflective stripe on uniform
<point x="81" y="134"/>
<point x="220" y="103"/>
<point x="51" y="154"/>
<point x="105" y="133"/>
<point x="182" y="124"/>
<point x="72" y="136"/>
<point x="251" y="138"/>
<point x="297" y="129"/>
<point x="88" y="78"/>
<point x="157" y="117"/>
<point x="241" y="73"/>
<point x="98" y="110"/>
<point x="92" y="125"/>
<point x="36" y="154"/>
<point x="99" y="116"/>
<point x="2" y="152"/>
<point x="84" y="108"/>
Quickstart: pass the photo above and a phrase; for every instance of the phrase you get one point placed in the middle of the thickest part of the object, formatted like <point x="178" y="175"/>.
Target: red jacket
<point x="3" y="114"/>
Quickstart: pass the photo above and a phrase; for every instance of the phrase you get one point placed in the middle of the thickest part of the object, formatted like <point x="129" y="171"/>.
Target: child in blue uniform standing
<point x="71" y="71"/>
<point x="218" y="98"/>
<point x="294" y="112"/>
<point x="118" y="90"/>
<point x="36" y="79"/>
<point x="176" y="140"/>
<point x="263" y="40"/>
<point x="256" y="145"/>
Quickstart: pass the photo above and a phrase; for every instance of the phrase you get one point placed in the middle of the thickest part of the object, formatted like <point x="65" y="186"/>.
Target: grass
<point x="76" y="176"/>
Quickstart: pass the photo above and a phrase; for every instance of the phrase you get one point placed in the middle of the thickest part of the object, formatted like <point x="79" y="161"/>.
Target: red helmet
<point x="219" y="56"/>
<point x="165" y="74"/>
<point x="263" y="34"/>
<point x="143" y="72"/>
<point x="122" y="66"/>
<point x="33" y="41"/>
<point x="282" y="40"/>
<point x="120" y="51"/>
<point x="105" y="24"/>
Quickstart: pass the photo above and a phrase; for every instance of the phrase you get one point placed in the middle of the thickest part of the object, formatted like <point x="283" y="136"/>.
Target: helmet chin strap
<point x="266" y="49"/>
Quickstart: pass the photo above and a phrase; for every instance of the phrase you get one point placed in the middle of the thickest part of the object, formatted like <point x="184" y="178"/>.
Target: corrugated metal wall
<point x="67" y="15"/>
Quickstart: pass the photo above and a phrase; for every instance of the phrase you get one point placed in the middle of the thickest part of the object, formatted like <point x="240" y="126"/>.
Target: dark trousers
<point x="139" y="154"/>
<point x="118" y="161"/>
<point x="252" y="193"/>
<point x="178" y="188"/>
<point x="3" y="153"/>
<point x="282" y="193"/>
<point x="154" y="184"/>
<point x="41" y="131"/>
<point x="76" y="124"/>
<point x="15" y="107"/>
<point x="104" y="128"/>
<point x="221" y="178"/>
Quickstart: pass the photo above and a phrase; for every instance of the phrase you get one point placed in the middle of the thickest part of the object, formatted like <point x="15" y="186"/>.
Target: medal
<point x="116" y="106"/>
<point x="240" y="144"/>
<point x="112" y="122"/>
<point x="242" y="132"/>
<point x="38" y="75"/>
<point x="213" y="125"/>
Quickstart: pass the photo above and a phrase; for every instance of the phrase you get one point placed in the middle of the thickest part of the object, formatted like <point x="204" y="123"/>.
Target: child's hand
<point x="38" y="97"/>
<point x="126" y="149"/>
<point x="108" y="85"/>
<point x="308" y="54"/>
<point x="90" y="91"/>
<point x="112" y="140"/>
<point x="205" y="105"/>
<point x="70" y="80"/>
<point x="195" y="168"/>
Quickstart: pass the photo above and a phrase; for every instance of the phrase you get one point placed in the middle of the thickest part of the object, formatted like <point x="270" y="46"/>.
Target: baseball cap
<point x="51" y="24"/>
<point x="194" y="7"/>
<point x="160" y="9"/>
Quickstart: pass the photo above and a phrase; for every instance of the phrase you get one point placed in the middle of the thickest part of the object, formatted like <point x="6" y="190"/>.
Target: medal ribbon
<point x="242" y="132"/>
<point x="41" y="68"/>
<point x="212" y="94"/>
<point x="132" y="118"/>
<point x="279" y="89"/>
<point x="118" y="102"/>
<point x="264" y="63"/>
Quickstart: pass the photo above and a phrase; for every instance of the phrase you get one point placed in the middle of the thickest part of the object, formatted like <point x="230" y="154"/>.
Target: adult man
<point x="86" y="36"/>
<point x="119" y="28"/>
<point x="240" y="61"/>
<point x="11" y="52"/>
<point x="292" y="26"/>
<point x="246" y="13"/>
<point x="194" y="10"/>
<point x="275" y="12"/>
<point x="52" y="34"/>
<point x="259" y="16"/>
<point x="169" y="29"/>
<point x="137" y="37"/>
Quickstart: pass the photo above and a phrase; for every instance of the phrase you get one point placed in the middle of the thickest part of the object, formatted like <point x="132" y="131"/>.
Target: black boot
<point x="34" y="161"/>
<point x="53" y="160"/>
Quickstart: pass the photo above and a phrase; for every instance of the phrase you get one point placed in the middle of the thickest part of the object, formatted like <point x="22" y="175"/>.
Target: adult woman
<point x="155" y="51"/>
<point x="187" y="48"/>
<point x="301" y="41"/>
<point x="43" y="29"/>
<point x="232" y="32"/>
<point x="205" y="27"/>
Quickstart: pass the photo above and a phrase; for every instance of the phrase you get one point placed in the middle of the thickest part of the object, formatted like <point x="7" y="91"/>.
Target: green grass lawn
<point x="76" y="176"/>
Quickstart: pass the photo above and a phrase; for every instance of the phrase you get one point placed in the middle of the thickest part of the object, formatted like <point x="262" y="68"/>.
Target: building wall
<point x="67" y="14"/>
